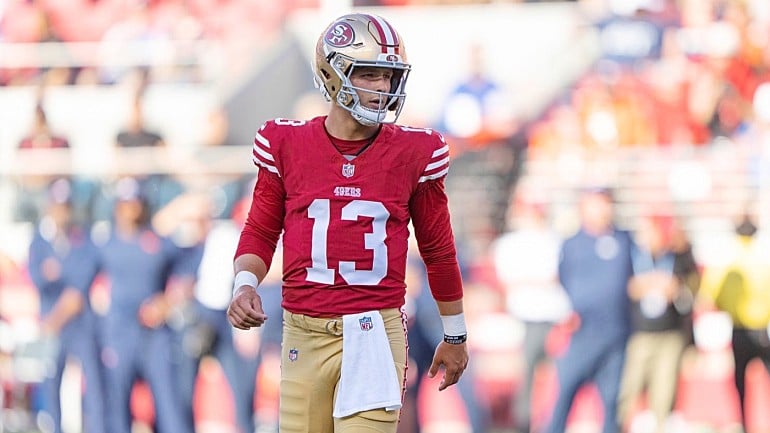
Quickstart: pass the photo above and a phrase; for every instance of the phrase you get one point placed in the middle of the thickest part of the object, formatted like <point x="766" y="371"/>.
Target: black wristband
<point x="455" y="339"/>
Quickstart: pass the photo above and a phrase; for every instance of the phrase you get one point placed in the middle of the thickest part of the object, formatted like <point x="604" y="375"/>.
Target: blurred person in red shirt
<point x="559" y="133"/>
<point x="40" y="135"/>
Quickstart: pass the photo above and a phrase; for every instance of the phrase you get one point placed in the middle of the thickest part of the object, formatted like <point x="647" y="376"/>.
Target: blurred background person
<point x="137" y="262"/>
<point x="424" y="332"/>
<point x="477" y="110"/>
<point x="32" y="188"/>
<point x="136" y="132"/>
<point x="742" y="290"/>
<point x="594" y="268"/>
<point x="200" y="297"/>
<point x="40" y="135"/>
<point x="688" y="271"/>
<point x="59" y="250"/>
<point x="158" y="186"/>
<point x="660" y="302"/>
<point x="526" y="260"/>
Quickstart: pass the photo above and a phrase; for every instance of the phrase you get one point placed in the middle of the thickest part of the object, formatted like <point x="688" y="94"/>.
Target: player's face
<point x="374" y="79"/>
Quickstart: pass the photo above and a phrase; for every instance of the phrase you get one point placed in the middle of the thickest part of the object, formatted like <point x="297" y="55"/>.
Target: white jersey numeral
<point x="320" y="212"/>
<point x="320" y="272"/>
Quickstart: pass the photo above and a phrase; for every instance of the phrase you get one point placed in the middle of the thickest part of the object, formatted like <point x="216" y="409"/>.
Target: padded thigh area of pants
<point x="370" y="421"/>
<point x="298" y="414"/>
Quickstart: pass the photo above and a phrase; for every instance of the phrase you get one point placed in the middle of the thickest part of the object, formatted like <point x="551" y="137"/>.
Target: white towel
<point x="368" y="378"/>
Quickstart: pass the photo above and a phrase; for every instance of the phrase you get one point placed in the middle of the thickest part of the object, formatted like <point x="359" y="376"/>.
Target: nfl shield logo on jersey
<point x="293" y="354"/>
<point x="348" y="170"/>
<point x="366" y="323"/>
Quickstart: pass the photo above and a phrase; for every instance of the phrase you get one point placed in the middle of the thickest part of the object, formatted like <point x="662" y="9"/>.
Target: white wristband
<point x="454" y="326"/>
<point x="245" y="278"/>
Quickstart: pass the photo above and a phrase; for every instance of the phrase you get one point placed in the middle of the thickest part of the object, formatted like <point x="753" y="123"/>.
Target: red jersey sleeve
<point x="264" y="223"/>
<point x="430" y="217"/>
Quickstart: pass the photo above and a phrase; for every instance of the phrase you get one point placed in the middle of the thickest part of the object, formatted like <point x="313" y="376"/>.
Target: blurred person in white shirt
<point x="526" y="264"/>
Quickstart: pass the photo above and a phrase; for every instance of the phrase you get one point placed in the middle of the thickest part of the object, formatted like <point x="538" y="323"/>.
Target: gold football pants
<point x="311" y="359"/>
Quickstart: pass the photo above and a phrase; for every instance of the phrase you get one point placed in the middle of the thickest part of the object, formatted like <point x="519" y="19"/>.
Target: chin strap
<point x="362" y="120"/>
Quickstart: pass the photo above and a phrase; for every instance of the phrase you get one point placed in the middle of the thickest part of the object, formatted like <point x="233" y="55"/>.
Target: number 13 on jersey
<point x="320" y="212"/>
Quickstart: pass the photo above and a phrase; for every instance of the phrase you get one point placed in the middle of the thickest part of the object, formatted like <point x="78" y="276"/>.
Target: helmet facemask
<point x="347" y="96"/>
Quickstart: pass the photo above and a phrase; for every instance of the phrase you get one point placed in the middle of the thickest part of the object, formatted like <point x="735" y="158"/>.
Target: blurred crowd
<point x="625" y="322"/>
<point x="602" y="324"/>
<point x="159" y="32"/>
<point x="669" y="74"/>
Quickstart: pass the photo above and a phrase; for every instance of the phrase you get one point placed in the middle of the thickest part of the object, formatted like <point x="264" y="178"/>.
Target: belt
<point x="327" y="325"/>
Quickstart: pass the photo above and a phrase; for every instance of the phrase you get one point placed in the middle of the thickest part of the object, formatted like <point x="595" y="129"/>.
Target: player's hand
<point x="454" y="359"/>
<point x="245" y="310"/>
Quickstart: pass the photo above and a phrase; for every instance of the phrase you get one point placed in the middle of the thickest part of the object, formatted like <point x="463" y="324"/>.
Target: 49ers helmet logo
<point x="339" y="35"/>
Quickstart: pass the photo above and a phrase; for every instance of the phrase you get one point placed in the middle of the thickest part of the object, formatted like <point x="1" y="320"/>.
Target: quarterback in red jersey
<point x="342" y="190"/>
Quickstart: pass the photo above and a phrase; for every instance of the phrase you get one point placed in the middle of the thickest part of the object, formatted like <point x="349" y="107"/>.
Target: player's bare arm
<point x="452" y="353"/>
<point x="245" y="310"/>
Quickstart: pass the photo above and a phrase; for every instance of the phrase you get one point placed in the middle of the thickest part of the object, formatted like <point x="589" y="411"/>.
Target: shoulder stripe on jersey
<point x="264" y="155"/>
<point x="434" y="175"/>
<point x="437" y="164"/>
<point x="268" y="167"/>
<point x="265" y="142"/>
<point x="441" y="151"/>
<point x="261" y="155"/>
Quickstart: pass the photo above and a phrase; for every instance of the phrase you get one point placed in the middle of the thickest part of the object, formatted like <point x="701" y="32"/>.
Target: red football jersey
<point x="346" y="222"/>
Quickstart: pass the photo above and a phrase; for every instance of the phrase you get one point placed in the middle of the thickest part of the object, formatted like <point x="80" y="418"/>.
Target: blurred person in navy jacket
<point x="137" y="262"/>
<point x="594" y="269"/>
<point x="201" y="297"/>
<point x="57" y="254"/>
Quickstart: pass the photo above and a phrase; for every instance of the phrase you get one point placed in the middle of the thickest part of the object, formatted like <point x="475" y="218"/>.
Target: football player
<point x="342" y="189"/>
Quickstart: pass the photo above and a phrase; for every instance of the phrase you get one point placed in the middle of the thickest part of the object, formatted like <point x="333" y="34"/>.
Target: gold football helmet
<point x="357" y="40"/>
